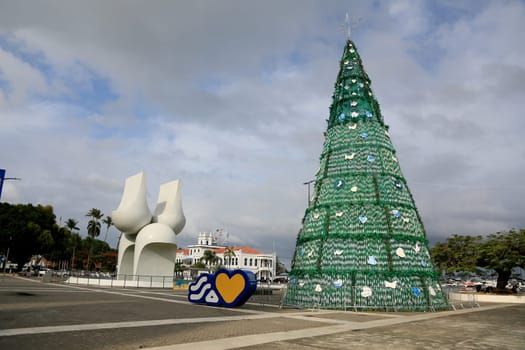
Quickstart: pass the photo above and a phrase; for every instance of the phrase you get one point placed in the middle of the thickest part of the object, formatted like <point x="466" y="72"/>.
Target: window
<point x="245" y="261"/>
<point x="255" y="262"/>
<point x="250" y="262"/>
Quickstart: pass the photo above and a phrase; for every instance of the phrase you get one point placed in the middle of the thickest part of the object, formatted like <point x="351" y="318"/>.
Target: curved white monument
<point x="133" y="213"/>
<point x="147" y="245"/>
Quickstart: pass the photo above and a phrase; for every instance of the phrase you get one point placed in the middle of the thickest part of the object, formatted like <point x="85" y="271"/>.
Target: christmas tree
<point x="362" y="244"/>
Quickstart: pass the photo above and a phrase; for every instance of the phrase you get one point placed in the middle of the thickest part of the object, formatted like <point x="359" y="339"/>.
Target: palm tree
<point x="209" y="257"/>
<point x="109" y="222"/>
<point x="71" y="224"/>
<point x="93" y="228"/>
<point x="94" y="224"/>
<point x="229" y="254"/>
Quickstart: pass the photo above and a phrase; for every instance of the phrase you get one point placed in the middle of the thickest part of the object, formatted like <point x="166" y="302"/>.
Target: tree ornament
<point x="366" y="292"/>
<point x="338" y="283"/>
<point x="371" y="260"/>
<point x="338" y="184"/>
<point x="392" y="285"/>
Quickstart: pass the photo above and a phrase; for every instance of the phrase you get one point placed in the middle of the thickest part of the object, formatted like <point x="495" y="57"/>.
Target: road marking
<point x="132" y="324"/>
<point x="258" y="339"/>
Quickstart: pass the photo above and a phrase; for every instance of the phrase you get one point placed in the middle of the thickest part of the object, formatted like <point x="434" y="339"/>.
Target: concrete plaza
<point x="36" y="315"/>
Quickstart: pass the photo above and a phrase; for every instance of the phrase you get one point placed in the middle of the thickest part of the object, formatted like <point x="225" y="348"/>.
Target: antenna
<point x="349" y="24"/>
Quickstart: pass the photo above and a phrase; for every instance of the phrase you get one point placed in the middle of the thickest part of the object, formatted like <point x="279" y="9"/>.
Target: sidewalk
<point x="488" y="327"/>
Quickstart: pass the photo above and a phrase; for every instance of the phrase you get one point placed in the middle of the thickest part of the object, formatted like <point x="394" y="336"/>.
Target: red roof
<point x="244" y="249"/>
<point x="221" y="250"/>
<point x="183" y="251"/>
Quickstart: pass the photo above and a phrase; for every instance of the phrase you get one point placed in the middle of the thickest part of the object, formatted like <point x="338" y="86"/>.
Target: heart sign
<point x="229" y="288"/>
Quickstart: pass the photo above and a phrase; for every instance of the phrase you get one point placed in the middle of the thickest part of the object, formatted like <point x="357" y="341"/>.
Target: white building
<point x="243" y="257"/>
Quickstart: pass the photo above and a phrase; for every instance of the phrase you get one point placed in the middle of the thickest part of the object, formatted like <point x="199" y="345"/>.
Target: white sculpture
<point x="147" y="245"/>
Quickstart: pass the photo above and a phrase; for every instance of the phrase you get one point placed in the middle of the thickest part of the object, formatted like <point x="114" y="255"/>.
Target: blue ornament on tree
<point x="364" y="135"/>
<point x="398" y="184"/>
<point x="416" y="291"/>
<point x="338" y="184"/>
<point x="371" y="158"/>
<point x="368" y="114"/>
<point x="372" y="260"/>
<point x="342" y="117"/>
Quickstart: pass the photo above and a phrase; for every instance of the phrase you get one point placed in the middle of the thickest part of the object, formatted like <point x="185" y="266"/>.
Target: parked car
<point x="282" y="278"/>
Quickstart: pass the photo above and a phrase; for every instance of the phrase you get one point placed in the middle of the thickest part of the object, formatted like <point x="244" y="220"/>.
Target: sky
<point x="231" y="97"/>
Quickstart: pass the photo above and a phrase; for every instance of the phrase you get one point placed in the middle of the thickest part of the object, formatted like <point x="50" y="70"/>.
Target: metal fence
<point x="122" y="281"/>
<point x="461" y="297"/>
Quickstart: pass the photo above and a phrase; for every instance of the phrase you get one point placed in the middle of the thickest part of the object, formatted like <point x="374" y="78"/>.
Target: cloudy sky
<point x="231" y="97"/>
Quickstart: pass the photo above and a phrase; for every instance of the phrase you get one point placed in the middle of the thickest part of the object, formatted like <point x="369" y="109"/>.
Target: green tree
<point x="93" y="228"/>
<point x="94" y="224"/>
<point x="228" y="255"/>
<point x="75" y="247"/>
<point x="26" y="230"/>
<point x="503" y="251"/>
<point x="209" y="257"/>
<point x="458" y="253"/>
<point x="109" y="222"/>
<point x="71" y="224"/>
<point x="179" y="269"/>
<point x="199" y="265"/>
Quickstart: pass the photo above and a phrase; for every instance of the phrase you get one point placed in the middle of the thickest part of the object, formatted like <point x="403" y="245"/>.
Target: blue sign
<point x="2" y="176"/>
<point x="229" y="288"/>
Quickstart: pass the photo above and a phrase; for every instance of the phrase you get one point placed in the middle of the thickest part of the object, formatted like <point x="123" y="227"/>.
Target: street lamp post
<point x="308" y="183"/>
<point x="3" y="178"/>
<point x="6" y="261"/>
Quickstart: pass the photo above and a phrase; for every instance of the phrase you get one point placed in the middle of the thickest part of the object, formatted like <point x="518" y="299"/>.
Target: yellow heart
<point x="229" y="288"/>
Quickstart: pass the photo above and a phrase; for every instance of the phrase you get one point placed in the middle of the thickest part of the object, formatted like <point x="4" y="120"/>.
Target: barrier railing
<point x="122" y="281"/>
<point x="461" y="297"/>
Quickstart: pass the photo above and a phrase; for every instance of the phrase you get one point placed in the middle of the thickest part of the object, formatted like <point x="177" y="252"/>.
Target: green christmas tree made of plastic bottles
<point x="362" y="245"/>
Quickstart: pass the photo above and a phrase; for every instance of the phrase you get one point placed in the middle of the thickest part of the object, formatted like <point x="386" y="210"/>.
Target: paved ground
<point x="54" y="316"/>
